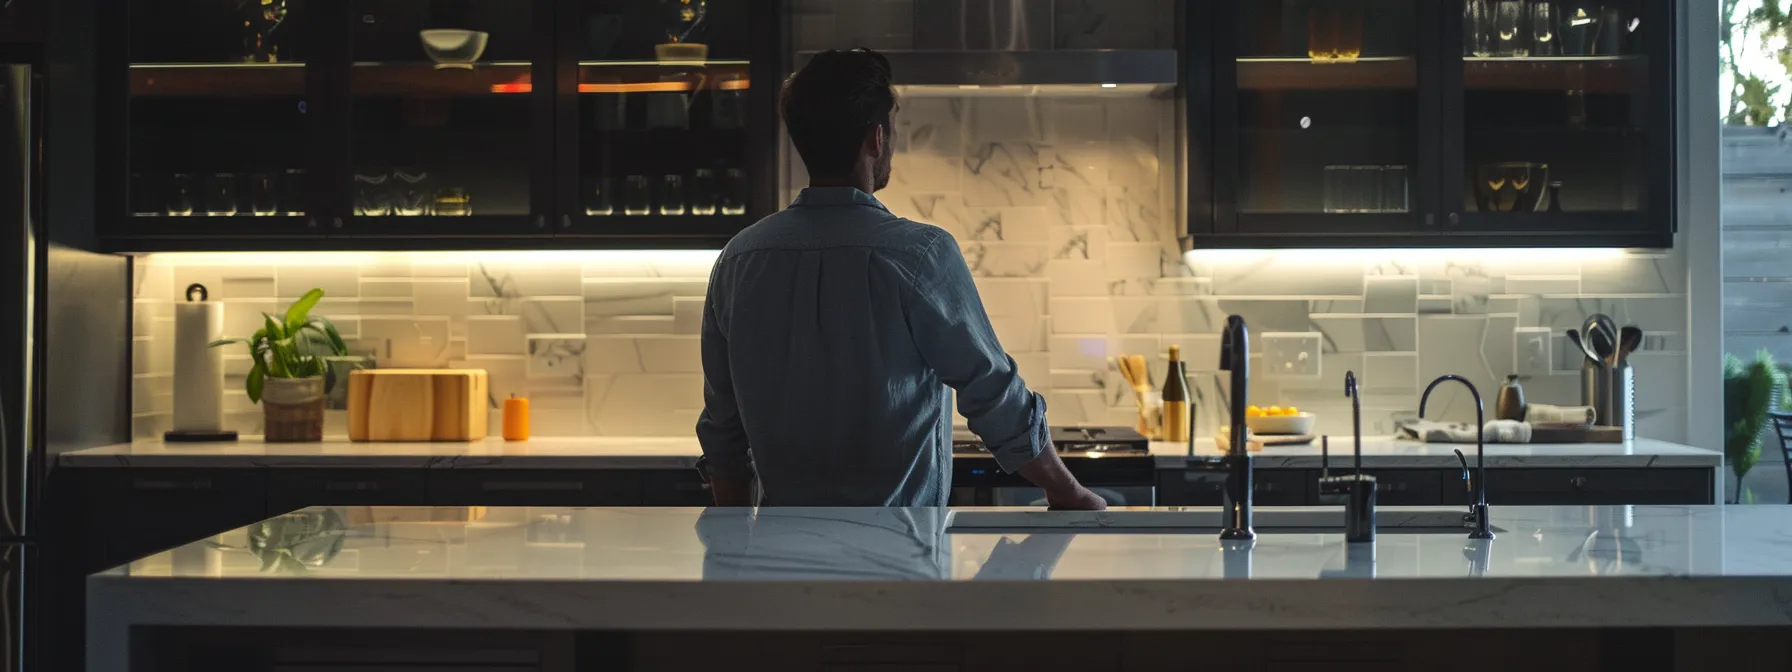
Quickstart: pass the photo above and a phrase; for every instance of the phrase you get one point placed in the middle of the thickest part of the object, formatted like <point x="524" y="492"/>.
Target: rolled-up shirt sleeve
<point x="719" y="428"/>
<point x="953" y="333"/>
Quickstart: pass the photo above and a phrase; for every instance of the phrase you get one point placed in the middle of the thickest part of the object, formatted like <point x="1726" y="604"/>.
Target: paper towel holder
<point x="197" y="436"/>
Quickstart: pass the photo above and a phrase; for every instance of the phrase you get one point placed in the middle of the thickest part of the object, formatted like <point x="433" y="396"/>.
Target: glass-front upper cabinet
<point x="216" y="139"/>
<point x="1563" y="109"/>
<point x="448" y="135"/>
<point x="1321" y="116"/>
<point x="670" y="107"/>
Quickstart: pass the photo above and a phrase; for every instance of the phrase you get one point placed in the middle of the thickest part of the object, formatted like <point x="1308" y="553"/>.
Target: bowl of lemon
<point x="1285" y="420"/>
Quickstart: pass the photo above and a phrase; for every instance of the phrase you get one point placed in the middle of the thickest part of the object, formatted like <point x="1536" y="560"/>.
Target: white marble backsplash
<point x="1061" y="213"/>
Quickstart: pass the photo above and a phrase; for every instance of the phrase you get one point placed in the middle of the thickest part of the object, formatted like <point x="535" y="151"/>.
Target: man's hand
<point x="1080" y="499"/>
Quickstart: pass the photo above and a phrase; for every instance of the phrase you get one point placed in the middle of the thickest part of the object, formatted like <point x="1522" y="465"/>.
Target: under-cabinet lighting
<point x="1109" y="85"/>
<point x="1355" y="256"/>
<point x="367" y="258"/>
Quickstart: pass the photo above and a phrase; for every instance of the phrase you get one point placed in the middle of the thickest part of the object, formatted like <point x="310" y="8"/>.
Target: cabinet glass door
<point x="445" y="118"/>
<point x="661" y="102"/>
<point x="1553" y="101"/>
<point x="1318" y="116"/>
<point x="217" y="138"/>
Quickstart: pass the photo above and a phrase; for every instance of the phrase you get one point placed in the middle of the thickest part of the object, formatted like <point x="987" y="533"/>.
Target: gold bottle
<point x="1176" y="404"/>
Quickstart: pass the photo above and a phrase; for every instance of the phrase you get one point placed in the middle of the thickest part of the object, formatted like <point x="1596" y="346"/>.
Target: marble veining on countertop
<point x="679" y="453"/>
<point x="911" y="569"/>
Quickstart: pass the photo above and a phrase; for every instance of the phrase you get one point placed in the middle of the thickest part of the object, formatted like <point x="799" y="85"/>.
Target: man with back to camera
<point x="832" y="328"/>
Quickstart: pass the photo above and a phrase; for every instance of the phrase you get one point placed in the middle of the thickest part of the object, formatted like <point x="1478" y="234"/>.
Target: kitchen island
<point x="1659" y="573"/>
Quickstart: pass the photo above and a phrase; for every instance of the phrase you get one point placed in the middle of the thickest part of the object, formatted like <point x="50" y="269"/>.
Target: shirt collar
<point x="825" y="196"/>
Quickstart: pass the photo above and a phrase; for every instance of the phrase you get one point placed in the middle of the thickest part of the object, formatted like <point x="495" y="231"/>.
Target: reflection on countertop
<point x="682" y="452"/>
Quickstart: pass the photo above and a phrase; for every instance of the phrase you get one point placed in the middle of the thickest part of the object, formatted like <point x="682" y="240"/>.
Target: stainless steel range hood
<point x="1010" y="43"/>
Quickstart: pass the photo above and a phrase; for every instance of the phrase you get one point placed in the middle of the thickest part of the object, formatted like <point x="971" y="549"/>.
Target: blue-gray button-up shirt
<point x="830" y="334"/>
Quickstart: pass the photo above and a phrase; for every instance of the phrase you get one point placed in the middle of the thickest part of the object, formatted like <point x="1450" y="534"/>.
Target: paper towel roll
<point x="198" y="369"/>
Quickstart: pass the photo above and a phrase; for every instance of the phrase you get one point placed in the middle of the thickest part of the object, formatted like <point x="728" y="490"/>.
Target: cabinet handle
<point x="351" y="486"/>
<point x="533" y="486"/>
<point x="156" y="484"/>
<point x="690" y="487"/>
<point x="1430" y="219"/>
<point x="1454" y="219"/>
<point x="1577" y="482"/>
<point x="541" y="221"/>
<point x="566" y="221"/>
<point x="336" y="222"/>
<point x="311" y="222"/>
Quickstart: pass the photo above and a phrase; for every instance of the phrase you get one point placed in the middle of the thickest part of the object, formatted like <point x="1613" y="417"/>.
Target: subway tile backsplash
<point x="1065" y="217"/>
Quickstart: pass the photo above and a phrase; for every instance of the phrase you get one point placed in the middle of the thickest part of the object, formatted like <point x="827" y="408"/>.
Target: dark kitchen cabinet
<point x="291" y="489"/>
<point x="436" y="124"/>
<point x="533" y="487"/>
<point x="23" y="21"/>
<point x="1270" y="487"/>
<point x="1537" y="487"/>
<point x="1406" y="123"/>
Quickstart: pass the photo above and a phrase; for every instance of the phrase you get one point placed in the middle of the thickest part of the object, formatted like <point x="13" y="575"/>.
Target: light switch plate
<point x="1531" y="351"/>
<point x="1290" y="354"/>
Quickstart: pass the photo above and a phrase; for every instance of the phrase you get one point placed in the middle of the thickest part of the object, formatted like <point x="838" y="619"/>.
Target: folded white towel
<point x="1497" y="431"/>
<point x="1545" y="414"/>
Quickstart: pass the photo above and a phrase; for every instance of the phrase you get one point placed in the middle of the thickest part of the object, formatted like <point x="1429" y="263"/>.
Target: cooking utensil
<point x="1574" y="336"/>
<point x="1605" y="324"/>
<point x="1132" y="368"/>
<point x="1602" y="346"/>
<point x="1629" y="339"/>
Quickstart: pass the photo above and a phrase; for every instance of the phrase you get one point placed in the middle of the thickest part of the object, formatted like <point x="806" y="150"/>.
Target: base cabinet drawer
<point x="291" y="489"/>
<point x="1543" y="487"/>
<point x="533" y="487"/>
<point x="1271" y="487"/>
<point x="1399" y="487"/>
<point x="682" y="487"/>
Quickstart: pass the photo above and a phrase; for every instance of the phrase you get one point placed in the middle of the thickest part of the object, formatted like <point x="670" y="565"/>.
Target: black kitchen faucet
<point x="1235" y="462"/>
<point x="1477" y="510"/>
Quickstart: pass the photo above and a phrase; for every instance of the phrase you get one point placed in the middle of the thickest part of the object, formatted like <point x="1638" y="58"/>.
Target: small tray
<point x="1576" y="434"/>
<point x="1223" y="438"/>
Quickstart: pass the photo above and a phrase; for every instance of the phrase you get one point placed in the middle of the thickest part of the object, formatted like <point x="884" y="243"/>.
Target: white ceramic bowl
<point x="453" y="48"/>
<point x="1282" y="424"/>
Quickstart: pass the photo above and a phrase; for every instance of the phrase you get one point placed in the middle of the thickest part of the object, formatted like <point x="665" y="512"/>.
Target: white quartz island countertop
<point x="921" y="569"/>
<point x="677" y="453"/>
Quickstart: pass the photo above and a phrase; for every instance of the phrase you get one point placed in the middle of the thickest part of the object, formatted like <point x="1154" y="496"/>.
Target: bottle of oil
<point x="1176" y="404"/>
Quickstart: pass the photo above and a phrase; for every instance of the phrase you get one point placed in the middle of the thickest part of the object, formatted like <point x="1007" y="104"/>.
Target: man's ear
<point x="877" y="141"/>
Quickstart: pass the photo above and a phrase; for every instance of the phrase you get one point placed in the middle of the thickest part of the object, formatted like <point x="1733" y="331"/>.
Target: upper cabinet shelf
<point x="1058" y="67"/>
<point x="217" y="80"/>
<point x="1384" y="72"/>
<point x="1596" y="74"/>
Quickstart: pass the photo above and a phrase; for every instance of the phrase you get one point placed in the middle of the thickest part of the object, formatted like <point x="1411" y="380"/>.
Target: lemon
<point x="1273" y="411"/>
<point x="1291" y="411"/>
<point x="1253" y="412"/>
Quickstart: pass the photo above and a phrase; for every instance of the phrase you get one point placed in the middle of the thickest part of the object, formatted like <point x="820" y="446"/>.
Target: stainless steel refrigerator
<point x="21" y="258"/>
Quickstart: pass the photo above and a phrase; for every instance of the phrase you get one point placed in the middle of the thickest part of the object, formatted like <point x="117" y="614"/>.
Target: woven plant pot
<point x="292" y="409"/>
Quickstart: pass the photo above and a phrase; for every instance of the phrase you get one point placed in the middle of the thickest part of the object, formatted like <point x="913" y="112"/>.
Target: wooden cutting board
<point x="417" y="405"/>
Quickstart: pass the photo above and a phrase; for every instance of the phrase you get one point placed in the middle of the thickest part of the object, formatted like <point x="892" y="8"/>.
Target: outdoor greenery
<point x="1762" y="26"/>
<point x="298" y="346"/>
<point x="1750" y="390"/>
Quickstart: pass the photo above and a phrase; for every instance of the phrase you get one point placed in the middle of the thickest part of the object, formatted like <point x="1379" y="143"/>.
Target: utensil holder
<point x="1595" y="390"/>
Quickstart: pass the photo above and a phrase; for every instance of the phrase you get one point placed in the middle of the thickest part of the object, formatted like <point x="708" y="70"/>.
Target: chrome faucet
<point x="1235" y="462"/>
<point x="1477" y="510"/>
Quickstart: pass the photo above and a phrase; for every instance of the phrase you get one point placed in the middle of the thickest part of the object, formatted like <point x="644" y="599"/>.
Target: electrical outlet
<point x="1531" y="351"/>
<point x="1293" y="354"/>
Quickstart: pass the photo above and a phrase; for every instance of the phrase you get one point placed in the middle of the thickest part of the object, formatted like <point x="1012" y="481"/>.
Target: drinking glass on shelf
<point x="635" y="200"/>
<point x="1334" y="188"/>
<point x="672" y="195"/>
<point x="411" y="193"/>
<point x="1393" y="189"/>
<point x="600" y="196"/>
<point x="453" y="202"/>
<point x="1508" y="20"/>
<point x="264" y="194"/>
<point x="703" y="192"/>
<point x="1579" y="27"/>
<point x="220" y="195"/>
<point x="145" y="202"/>
<point x="1477" y="27"/>
<point x="1350" y="32"/>
<point x="292" y="191"/>
<point x="370" y="193"/>
<point x="1543" y="28"/>
<point x="1322" y="34"/>
<point x="734" y="192"/>
<point x="179" y="202"/>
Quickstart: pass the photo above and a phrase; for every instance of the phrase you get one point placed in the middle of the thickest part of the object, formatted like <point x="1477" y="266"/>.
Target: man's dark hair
<point x="831" y="103"/>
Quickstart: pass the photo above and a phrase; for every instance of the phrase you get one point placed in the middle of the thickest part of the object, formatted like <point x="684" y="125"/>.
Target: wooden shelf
<point x="1593" y="74"/>
<point x="661" y="76"/>
<point x="1305" y="75"/>
<point x="219" y="80"/>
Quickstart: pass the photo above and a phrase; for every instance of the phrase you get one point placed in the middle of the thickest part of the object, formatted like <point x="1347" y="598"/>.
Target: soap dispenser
<point x="1509" y="405"/>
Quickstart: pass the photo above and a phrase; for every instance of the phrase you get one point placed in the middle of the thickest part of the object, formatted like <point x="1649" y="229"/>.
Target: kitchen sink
<point x="1201" y="520"/>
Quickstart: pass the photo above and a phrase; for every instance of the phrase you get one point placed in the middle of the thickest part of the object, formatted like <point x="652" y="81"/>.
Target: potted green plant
<point x="1750" y="390"/>
<point x="289" y="370"/>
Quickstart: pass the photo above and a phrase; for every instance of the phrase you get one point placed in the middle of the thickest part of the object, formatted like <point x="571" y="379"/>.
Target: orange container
<point x="516" y="419"/>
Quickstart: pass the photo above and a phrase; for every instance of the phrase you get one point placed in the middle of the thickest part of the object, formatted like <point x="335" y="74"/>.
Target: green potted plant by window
<point x="290" y="369"/>
<point x="1750" y="390"/>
